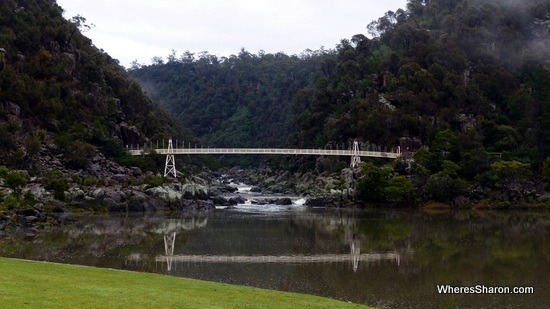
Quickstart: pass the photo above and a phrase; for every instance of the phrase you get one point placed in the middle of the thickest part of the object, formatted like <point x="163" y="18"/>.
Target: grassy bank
<point x="46" y="285"/>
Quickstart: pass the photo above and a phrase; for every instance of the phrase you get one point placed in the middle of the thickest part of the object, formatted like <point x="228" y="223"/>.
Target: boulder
<point x="139" y="201"/>
<point x="237" y="200"/>
<point x="97" y="193"/>
<point x="206" y="205"/>
<point x="195" y="191"/>
<point x="214" y="191"/>
<point x="196" y="205"/>
<point x="283" y="201"/>
<point x="115" y="194"/>
<point x="30" y="219"/>
<point x="120" y="194"/>
<point x="113" y="206"/>
<point x="221" y="201"/>
<point x="12" y="109"/>
<point x="75" y="194"/>
<point x="221" y="189"/>
<point x="166" y="194"/>
<point x="136" y="171"/>
<point x="111" y="198"/>
<point x="255" y="190"/>
<point x="128" y="134"/>
<point x="95" y="170"/>
<point x="121" y="177"/>
<point x="316" y="202"/>
<point x="58" y="209"/>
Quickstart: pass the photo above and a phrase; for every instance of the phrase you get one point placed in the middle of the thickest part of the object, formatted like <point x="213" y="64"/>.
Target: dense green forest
<point x="238" y="101"/>
<point x="55" y="85"/>
<point x="467" y="79"/>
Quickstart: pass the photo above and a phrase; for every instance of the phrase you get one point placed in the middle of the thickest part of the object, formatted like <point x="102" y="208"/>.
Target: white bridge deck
<point x="268" y="151"/>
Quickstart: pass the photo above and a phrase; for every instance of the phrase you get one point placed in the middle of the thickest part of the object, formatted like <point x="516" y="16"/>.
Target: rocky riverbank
<point x="51" y="187"/>
<point x="324" y="190"/>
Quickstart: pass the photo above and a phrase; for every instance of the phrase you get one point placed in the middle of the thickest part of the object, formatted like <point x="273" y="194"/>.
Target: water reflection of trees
<point x="461" y="249"/>
<point x="102" y="240"/>
<point x="376" y="232"/>
<point x="496" y="248"/>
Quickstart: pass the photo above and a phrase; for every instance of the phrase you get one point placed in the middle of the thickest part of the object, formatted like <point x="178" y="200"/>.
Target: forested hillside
<point x="467" y="79"/>
<point x="240" y="101"/>
<point x="476" y="68"/>
<point x="55" y="85"/>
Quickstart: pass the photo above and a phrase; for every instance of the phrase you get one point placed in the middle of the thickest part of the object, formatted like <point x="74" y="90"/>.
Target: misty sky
<point x="134" y="29"/>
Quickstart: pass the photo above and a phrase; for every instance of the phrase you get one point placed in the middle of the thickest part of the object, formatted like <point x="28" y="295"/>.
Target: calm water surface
<point x="392" y="259"/>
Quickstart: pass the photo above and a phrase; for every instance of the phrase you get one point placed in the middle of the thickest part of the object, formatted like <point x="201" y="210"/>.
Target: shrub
<point x="11" y="202"/>
<point x="54" y="180"/>
<point x="80" y="154"/>
<point x="145" y="163"/>
<point x="112" y="148"/>
<point x="16" y="180"/>
<point x="154" y="181"/>
<point x="34" y="142"/>
<point x="507" y="169"/>
<point x="29" y="197"/>
<point x="450" y="168"/>
<point x="371" y="185"/>
<point x="398" y="188"/>
<point x="443" y="188"/>
<point x="4" y="171"/>
<point x="89" y="181"/>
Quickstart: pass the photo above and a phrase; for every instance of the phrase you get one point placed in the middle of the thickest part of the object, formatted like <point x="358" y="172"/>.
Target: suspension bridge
<point x="170" y="167"/>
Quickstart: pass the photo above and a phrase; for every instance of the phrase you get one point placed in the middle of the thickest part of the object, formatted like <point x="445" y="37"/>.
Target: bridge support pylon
<point x="355" y="158"/>
<point x="170" y="165"/>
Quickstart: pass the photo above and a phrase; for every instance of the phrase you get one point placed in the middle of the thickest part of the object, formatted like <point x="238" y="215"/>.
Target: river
<point x="384" y="258"/>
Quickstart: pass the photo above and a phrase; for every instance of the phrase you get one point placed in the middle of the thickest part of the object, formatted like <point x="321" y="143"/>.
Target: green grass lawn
<point x="46" y="285"/>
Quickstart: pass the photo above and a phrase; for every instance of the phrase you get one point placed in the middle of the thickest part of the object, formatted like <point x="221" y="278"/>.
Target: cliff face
<point x="67" y="112"/>
<point x="57" y="87"/>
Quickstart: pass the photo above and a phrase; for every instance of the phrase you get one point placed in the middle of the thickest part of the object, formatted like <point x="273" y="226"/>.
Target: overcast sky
<point x="138" y="30"/>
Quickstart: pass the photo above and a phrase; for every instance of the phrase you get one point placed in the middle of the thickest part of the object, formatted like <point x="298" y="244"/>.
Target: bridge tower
<point x="355" y="158"/>
<point x="170" y="165"/>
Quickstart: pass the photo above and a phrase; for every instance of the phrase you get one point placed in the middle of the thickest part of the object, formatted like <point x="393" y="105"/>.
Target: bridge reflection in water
<point x="354" y="257"/>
